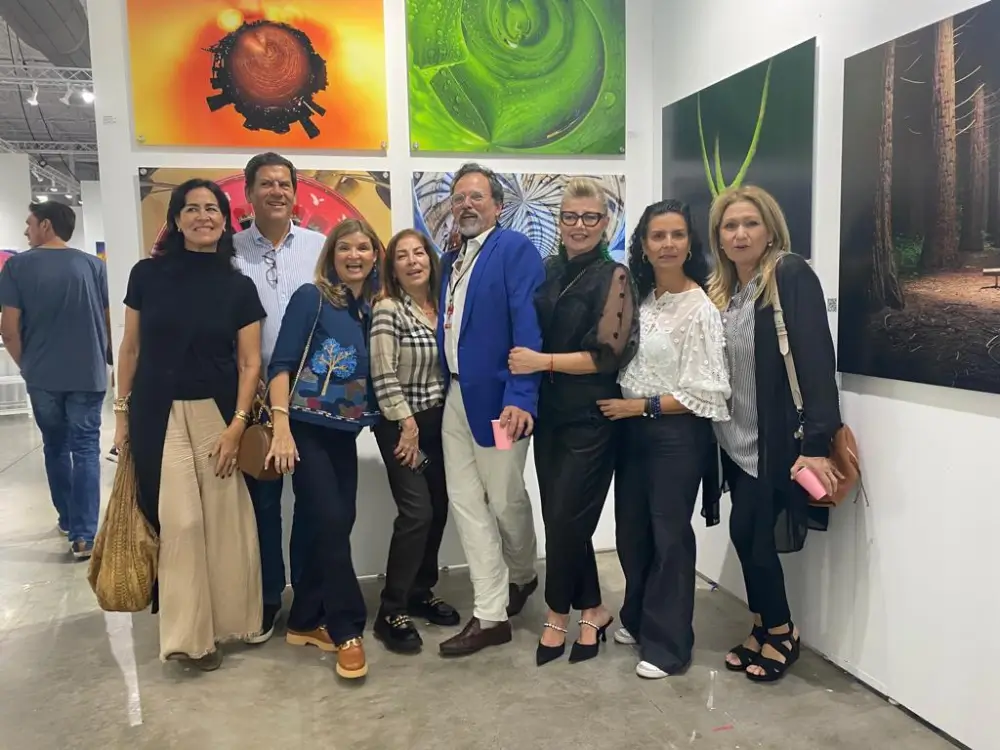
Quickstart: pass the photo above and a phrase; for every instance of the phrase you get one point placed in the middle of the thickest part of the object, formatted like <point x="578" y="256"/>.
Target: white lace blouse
<point x="681" y="354"/>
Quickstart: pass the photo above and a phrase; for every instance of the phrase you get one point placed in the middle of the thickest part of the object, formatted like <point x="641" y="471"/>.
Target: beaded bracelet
<point x="653" y="407"/>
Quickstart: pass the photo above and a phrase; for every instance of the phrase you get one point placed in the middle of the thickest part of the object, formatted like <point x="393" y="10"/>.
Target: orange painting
<point x="307" y="74"/>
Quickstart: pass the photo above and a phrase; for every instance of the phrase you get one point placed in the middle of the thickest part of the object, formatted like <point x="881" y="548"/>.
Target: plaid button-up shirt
<point x="405" y="365"/>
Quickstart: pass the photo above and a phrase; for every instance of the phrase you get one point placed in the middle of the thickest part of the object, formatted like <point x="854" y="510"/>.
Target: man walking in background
<point x="488" y="308"/>
<point x="279" y="257"/>
<point x="56" y="325"/>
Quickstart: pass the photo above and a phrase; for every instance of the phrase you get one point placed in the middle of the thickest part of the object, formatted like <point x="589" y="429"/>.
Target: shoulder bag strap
<point x="302" y="363"/>
<point x="786" y="352"/>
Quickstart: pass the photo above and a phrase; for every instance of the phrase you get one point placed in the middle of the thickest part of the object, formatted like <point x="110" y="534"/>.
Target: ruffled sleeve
<point x="703" y="385"/>
<point x="614" y="339"/>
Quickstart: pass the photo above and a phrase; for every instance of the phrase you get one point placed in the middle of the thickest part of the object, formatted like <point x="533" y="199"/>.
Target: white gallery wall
<point x="15" y="195"/>
<point x="92" y="210"/>
<point x="902" y="593"/>
<point x="121" y="157"/>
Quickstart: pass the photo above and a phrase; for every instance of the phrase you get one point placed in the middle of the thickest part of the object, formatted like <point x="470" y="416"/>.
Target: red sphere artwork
<point x="317" y="206"/>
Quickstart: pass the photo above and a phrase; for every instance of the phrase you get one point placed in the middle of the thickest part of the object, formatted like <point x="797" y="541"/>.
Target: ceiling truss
<point x="43" y="173"/>
<point x="44" y="76"/>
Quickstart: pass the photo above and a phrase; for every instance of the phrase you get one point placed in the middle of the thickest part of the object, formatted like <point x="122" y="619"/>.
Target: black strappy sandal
<point x="774" y="670"/>
<point x="744" y="654"/>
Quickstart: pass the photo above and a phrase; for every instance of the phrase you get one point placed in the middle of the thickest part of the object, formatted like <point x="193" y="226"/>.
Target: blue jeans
<point x="266" y="498"/>
<point x="70" y="422"/>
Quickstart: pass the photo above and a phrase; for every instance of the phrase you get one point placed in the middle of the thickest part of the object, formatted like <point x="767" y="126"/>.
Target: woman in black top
<point x="766" y="442"/>
<point x="187" y="373"/>
<point x="586" y="309"/>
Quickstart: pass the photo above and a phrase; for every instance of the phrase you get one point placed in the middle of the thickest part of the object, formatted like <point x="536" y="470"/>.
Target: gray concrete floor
<point x="74" y="678"/>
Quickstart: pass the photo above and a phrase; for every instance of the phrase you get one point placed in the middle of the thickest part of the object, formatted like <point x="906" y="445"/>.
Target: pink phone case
<point x="810" y="483"/>
<point x="500" y="436"/>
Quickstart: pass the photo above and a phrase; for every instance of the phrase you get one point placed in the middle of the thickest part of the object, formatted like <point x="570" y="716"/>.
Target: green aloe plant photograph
<point x="754" y="127"/>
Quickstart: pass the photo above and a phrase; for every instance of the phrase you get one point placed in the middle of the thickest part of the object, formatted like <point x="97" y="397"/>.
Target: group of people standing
<point x="636" y="375"/>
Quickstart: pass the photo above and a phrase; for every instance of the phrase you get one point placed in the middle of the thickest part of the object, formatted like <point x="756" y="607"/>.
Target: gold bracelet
<point x="280" y="410"/>
<point x="121" y="404"/>
<point x="242" y="416"/>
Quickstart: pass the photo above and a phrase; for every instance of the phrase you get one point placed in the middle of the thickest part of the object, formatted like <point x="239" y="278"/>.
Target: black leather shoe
<point x="435" y="611"/>
<point x="397" y="633"/>
<point x="474" y="638"/>
<point x="518" y="596"/>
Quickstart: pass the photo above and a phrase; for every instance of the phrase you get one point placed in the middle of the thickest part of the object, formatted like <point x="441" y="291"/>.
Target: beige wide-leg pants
<point x="491" y="508"/>
<point x="209" y="565"/>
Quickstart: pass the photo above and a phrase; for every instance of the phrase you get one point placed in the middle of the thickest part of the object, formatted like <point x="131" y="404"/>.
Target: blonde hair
<point x="585" y="187"/>
<point x="325" y="276"/>
<point x="722" y="281"/>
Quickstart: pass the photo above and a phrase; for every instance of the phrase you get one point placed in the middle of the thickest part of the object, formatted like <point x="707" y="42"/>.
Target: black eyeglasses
<point x="271" y="261"/>
<point x="590" y="218"/>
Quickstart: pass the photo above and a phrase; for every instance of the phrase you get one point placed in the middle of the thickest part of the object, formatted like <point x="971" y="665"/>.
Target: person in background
<point x="321" y="398"/>
<point x="409" y="384"/>
<point x="187" y="375"/>
<point x="56" y="326"/>
<point x="487" y="304"/>
<point x="279" y="257"/>
<point x="590" y="329"/>
<point x="672" y="392"/>
<point x="767" y="442"/>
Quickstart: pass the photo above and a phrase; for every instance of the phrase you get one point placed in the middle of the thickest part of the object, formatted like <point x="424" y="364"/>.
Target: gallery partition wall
<point x="378" y="102"/>
<point x="881" y="142"/>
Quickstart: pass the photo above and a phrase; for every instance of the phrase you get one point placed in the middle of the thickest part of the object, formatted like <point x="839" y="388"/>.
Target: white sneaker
<point x="649" y="671"/>
<point x="624" y="637"/>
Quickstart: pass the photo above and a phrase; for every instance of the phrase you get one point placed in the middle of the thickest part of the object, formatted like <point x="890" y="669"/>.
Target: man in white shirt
<point x="279" y="257"/>
<point x="487" y="308"/>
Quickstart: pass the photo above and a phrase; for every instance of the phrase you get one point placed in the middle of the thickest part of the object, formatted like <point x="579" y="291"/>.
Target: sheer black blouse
<point x="586" y="303"/>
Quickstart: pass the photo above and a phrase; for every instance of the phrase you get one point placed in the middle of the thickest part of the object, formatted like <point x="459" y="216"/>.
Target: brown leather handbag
<point x="844" y="449"/>
<point x="256" y="441"/>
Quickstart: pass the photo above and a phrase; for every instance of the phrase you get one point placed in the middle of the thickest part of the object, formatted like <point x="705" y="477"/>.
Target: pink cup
<point x="810" y="483"/>
<point x="500" y="436"/>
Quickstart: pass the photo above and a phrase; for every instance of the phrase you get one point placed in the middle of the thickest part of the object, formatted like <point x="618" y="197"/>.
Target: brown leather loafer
<point x="317" y="637"/>
<point x="517" y="596"/>
<point x="474" y="638"/>
<point x="351" y="662"/>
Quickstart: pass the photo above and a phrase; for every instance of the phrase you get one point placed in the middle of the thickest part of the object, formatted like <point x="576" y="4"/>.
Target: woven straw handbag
<point x="123" y="566"/>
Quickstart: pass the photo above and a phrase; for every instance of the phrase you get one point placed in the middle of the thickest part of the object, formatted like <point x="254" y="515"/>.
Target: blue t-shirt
<point x="62" y="294"/>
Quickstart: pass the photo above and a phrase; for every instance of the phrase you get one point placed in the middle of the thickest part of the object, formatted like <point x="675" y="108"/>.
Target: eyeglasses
<point x="271" y="261"/>
<point x="475" y="198"/>
<point x="590" y="218"/>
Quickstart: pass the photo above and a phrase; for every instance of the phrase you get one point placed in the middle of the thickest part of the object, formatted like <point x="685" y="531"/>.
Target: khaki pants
<point x="209" y="564"/>
<point x="491" y="508"/>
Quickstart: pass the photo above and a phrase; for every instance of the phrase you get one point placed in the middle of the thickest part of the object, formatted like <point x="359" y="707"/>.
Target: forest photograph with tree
<point x="920" y="206"/>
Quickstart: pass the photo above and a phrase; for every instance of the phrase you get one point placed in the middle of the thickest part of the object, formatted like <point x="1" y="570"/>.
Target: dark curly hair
<point x="696" y="267"/>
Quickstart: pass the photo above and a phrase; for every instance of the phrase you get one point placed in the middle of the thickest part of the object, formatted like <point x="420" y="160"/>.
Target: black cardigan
<point x="777" y="420"/>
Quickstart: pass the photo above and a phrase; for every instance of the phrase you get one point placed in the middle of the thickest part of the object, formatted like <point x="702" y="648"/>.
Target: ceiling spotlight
<point x="87" y="95"/>
<point x="42" y="198"/>
<point x="66" y="97"/>
<point x="69" y="195"/>
<point x="33" y="99"/>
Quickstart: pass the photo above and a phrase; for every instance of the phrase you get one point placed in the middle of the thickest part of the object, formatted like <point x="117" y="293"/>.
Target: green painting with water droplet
<point x="516" y="76"/>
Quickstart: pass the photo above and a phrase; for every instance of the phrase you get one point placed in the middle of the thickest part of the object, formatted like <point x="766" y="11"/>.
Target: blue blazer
<point x="499" y="314"/>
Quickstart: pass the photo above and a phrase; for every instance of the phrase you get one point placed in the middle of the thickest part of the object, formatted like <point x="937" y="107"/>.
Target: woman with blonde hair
<point x="321" y="398"/>
<point x="409" y="384"/>
<point x="767" y="441"/>
<point x="590" y="329"/>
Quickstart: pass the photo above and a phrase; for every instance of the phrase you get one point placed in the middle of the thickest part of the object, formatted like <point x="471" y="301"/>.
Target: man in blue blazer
<point x="487" y="308"/>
